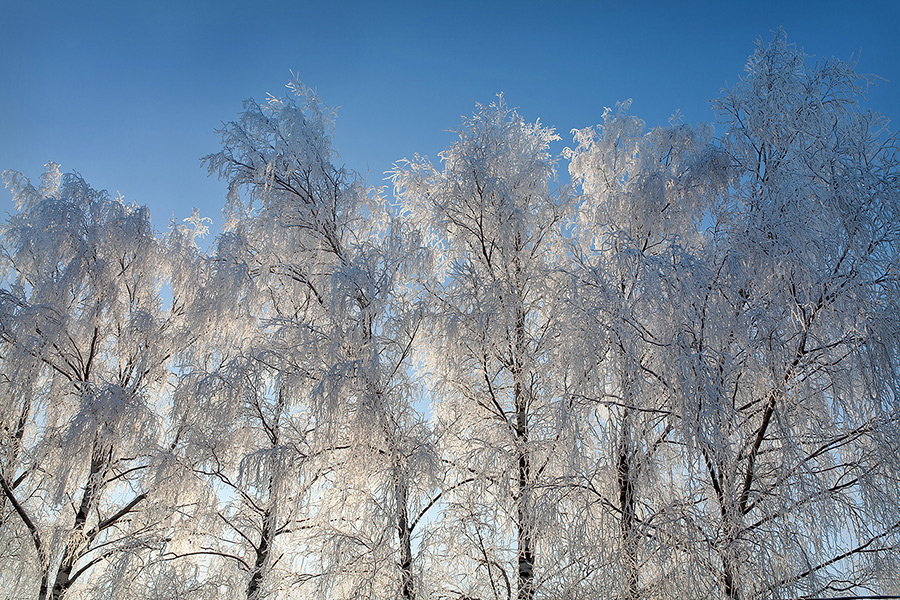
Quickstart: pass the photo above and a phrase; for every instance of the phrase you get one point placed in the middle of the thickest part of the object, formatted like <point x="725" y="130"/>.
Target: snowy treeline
<point x="676" y="378"/>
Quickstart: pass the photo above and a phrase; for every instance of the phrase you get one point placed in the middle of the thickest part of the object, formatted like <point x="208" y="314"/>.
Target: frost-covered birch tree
<point x="329" y="270"/>
<point x="496" y="227"/>
<point x="389" y="471"/>
<point x="786" y="341"/>
<point x="246" y="431"/>
<point x="639" y="225"/>
<point x="87" y="342"/>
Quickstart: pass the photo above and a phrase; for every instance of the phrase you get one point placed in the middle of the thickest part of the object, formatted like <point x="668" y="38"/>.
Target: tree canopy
<point x="674" y="376"/>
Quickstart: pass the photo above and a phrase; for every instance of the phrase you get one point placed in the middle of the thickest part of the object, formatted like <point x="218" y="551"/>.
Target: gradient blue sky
<point x="130" y="94"/>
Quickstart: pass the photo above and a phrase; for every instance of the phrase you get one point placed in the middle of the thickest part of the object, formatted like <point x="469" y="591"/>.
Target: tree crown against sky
<point x="676" y="377"/>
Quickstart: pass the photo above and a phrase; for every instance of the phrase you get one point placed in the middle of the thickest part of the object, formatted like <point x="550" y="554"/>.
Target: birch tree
<point x="496" y="227"/>
<point x="639" y="225"/>
<point x="786" y="341"/>
<point x="330" y="268"/>
<point x="87" y="344"/>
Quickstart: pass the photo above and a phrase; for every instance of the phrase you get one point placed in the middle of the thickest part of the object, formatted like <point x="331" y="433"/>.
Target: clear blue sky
<point x="130" y="94"/>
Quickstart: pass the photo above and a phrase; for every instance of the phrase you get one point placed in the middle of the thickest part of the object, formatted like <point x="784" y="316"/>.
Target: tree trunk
<point x="525" y="543"/>
<point x="73" y="549"/>
<point x="262" y="554"/>
<point x="45" y="585"/>
<point x="267" y="535"/>
<point x="524" y="540"/>
<point x="627" y="506"/>
<point x="731" y="591"/>
<point x="407" y="589"/>
<point x="729" y="529"/>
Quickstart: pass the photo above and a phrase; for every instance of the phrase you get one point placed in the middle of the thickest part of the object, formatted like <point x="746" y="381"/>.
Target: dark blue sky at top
<point x="130" y="94"/>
